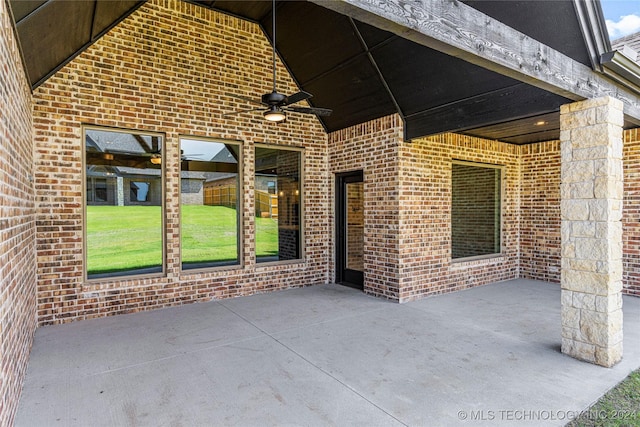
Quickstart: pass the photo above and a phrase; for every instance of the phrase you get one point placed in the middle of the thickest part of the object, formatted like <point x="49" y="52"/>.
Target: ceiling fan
<point x="277" y="104"/>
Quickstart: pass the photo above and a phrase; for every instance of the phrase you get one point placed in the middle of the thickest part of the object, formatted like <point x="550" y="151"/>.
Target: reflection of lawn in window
<point x="266" y="237"/>
<point x="209" y="234"/>
<point x="121" y="238"/>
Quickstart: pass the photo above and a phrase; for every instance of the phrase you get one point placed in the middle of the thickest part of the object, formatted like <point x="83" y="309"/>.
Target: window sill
<point x="477" y="260"/>
<point x="293" y="262"/>
<point x="123" y="282"/>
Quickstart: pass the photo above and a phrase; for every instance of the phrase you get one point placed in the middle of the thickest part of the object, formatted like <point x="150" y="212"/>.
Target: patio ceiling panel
<point x="489" y="108"/>
<point x="422" y="78"/>
<point x="51" y="32"/>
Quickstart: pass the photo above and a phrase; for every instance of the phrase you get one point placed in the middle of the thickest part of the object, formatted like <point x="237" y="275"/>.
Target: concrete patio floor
<point x="324" y="355"/>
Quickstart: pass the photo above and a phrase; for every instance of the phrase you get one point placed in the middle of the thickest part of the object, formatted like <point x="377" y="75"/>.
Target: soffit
<point x="359" y="71"/>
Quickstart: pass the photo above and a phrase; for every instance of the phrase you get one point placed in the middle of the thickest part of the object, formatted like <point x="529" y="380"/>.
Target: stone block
<point x="581" y="190"/>
<point x="600" y="210"/>
<point x="568" y="250"/>
<point x="577" y="171"/>
<point x="608" y="230"/>
<point x="584" y="301"/>
<point x="583" y="229"/>
<point x="590" y="136"/>
<point x="592" y="153"/>
<point x="584" y="265"/>
<point x="586" y="281"/>
<point x="594" y="327"/>
<point x="582" y="118"/>
<point x="572" y="334"/>
<point x="592" y="249"/>
<point x="566" y="148"/>
<point x="607" y="187"/>
<point x="575" y="210"/>
<point x="579" y="350"/>
<point x="608" y="356"/>
<point x="609" y="114"/>
<point x="608" y="167"/>
<point x="571" y="317"/>
<point x="566" y="298"/>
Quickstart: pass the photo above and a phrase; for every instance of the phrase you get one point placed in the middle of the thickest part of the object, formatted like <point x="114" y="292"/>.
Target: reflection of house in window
<point x="97" y="190"/>
<point x="139" y="191"/>
<point x="206" y="167"/>
<point x="271" y="187"/>
<point x="119" y="168"/>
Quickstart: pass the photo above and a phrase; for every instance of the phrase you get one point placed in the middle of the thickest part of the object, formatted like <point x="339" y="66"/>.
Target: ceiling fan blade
<point x="242" y="111"/>
<point x="244" y="98"/>
<point x="297" y="97"/>
<point x="312" y="110"/>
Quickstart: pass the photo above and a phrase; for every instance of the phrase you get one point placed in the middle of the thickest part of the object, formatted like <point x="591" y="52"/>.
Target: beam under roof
<point x="459" y="30"/>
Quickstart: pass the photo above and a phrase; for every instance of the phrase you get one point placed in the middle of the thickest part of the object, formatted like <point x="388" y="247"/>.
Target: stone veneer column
<point x="591" y="208"/>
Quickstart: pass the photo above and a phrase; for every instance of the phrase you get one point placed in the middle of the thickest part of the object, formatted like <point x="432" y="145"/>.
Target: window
<point x="124" y="227"/>
<point x="139" y="191"/>
<point x="97" y="191"/>
<point x="209" y="194"/>
<point x="475" y="210"/>
<point x="277" y="204"/>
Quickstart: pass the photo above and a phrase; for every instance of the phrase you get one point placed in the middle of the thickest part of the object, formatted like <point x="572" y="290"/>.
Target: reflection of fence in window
<point x="221" y="196"/>
<point x="266" y="205"/>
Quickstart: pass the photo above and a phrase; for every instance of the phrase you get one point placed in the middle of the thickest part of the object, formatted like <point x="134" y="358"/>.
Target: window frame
<point x="301" y="202"/>
<point x="501" y="198"/>
<point x="239" y="207"/>
<point x="163" y="207"/>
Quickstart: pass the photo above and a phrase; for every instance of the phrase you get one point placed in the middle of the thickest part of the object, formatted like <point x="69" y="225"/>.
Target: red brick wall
<point x="17" y="223"/>
<point x="540" y="211"/>
<point x="631" y="213"/>
<point x="166" y="68"/>
<point x="407" y="193"/>
<point x="425" y="215"/>
<point x="373" y="148"/>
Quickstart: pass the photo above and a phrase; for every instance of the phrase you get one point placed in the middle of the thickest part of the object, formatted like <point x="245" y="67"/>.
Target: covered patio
<point x="323" y="355"/>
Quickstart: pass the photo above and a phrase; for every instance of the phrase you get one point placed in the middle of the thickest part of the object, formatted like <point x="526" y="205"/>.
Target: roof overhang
<point x="459" y="30"/>
<point x="479" y="67"/>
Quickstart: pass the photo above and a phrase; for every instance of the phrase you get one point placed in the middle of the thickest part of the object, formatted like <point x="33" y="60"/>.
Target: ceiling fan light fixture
<point x="274" y="114"/>
<point x="156" y="159"/>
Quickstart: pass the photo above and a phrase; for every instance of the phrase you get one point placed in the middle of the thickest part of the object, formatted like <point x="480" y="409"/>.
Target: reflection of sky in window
<point x="200" y="150"/>
<point x="143" y="190"/>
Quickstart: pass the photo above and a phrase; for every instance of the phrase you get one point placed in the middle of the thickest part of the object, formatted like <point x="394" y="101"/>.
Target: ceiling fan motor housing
<point x="273" y="98"/>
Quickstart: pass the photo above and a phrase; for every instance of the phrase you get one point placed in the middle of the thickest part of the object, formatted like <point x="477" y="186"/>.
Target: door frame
<point x="344" y="276"/>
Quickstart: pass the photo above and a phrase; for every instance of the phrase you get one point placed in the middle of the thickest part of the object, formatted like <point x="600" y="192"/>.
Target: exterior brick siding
<point x="540" y="211"/>
<point x="150" y="74"/>
<point x="166" y="68"/>
<point x="631" y="213"/>
<point x="407" y="215"/>
<point x="17" y="223"/>
<point x="373" y="148"/>
<point x="425" y="215"/>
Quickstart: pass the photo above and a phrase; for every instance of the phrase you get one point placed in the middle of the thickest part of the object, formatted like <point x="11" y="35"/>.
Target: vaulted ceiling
<point x="359" y="71"/>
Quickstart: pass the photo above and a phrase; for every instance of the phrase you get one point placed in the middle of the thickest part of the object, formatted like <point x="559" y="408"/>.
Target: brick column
<point x="591" y="209"/>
